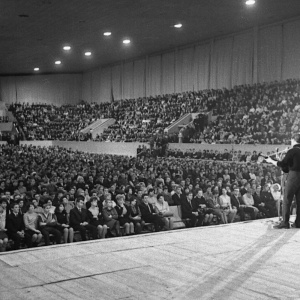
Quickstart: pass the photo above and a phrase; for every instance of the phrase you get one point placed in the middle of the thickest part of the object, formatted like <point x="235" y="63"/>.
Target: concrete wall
<point x="128" y="149"/>
<point x="221" y="147"/>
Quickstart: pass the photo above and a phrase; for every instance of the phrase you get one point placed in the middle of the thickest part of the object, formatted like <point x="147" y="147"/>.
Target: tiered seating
<point x="50" y="122"/>
<point x="264" y="113"/>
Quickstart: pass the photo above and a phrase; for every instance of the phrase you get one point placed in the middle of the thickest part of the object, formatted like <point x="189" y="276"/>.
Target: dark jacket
<point x="177" y="199"/>
<point x="145" y="209"/>
<point x="14" y="223"/>
<point x="236" y="201"/>
<point x="187" y="208"/>
<point x="291" y="161"/>
<point x="77" y="217"/>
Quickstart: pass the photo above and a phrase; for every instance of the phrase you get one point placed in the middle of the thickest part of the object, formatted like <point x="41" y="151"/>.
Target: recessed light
<point x="67" y="48"/>
<point x="127" y="41"/>
<point x="250" y="2"/>
<point x="36" y="69"/>
<point x="178" y="25"/>
<point x="88" y="53"/>
<point x="58" y="62"/>
<point x="108" y="33"/>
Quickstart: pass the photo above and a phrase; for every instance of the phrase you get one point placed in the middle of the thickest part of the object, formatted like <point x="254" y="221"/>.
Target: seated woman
<point x="31" y="226"/>
<point x="249" y="204"/>
<point x="212" y="200"/>
<point x="135" y="216"/>
<point x="200" y="203"/>
<point x="48" y="225"/>
<point x="123" y="214"/>
<point x="110" y="216"/>
<point x="52" y="208"/>
<point x="95" y="217"/>
<point x="225" y="204"/>
<point x="63" y="223"/>
<point x="3" y="235"/>
<point x="163" y="210"/>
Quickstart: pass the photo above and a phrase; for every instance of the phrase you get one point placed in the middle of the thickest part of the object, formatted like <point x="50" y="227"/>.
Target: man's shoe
<point x="294" y="225"/>
<point x="282" y="225"/>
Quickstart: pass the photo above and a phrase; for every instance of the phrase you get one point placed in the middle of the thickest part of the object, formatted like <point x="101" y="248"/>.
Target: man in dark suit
<point x="190" y="211"/>
<point x="15" y="227"/>
<point x="149" y="214"/>
<point x="177" y="196"/>
<point x="236" y="202"/>
<point x="79" y="220"/>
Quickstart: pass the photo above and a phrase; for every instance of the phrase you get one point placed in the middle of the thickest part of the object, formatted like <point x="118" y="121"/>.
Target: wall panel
<point x="291" y="50"/>
<point x="269" y="53"/>
<point x="168" y="73"/>
<point x="201" y="70"/>
<point x="56" y="89"/>
<point x="139" y="78"/>
<point x="154" y="76"/>
<point x="242" y="59"/>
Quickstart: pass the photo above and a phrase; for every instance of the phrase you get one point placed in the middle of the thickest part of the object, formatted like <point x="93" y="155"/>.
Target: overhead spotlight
<point x="88" y="53"/>
<point x="108" y="33"/>
<point x="127" y="41"/>
<point x="179" y="25"/>
<point x="36" y="69"/>
<point x="250" y="2"/>
<point x="58" y="62"/>
<point x="67" y="48"/>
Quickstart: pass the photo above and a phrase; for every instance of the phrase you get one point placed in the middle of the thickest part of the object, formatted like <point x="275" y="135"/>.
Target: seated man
<point x="268" y="200"/>
<point x="15" y="227"/>
<point x="190" y="211"/>
<point x="48" y="225"/>
<point x="149" y="214"/>
<point x="260" y="204"/>
<point x="238" y="203"/>
<point x="79" y="220"/>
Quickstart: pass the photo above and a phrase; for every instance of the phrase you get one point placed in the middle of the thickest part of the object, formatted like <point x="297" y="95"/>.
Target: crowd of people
<point x="243" y="114"/>
<point x="52" y="193"/>
<point x="51" y="122"/>
<point x="264" y="113"/>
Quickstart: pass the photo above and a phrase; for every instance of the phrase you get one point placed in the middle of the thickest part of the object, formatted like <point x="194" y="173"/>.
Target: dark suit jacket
<point x="187" y="208"/>
<point x="77" y="217"/>
<point x="14" y="223"/>
<point x="145" y="210"/>
<point x="236" y="201"/>
<point x="177" y="199"/>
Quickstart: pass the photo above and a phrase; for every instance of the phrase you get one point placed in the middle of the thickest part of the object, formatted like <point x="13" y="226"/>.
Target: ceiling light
<point x="88" y="53"/>
<point x="58" y="62"/>
<point x="36" y="69"/>
<point x="126" y="41"/>
<point x="67" y="48"/>
<point x="250" y="2"/>
<point x="107" y="33"/>
<point x="179" y="25"/>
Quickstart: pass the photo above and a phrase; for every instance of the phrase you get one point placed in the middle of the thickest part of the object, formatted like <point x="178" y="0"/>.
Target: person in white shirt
<point x="225" y="204"/>
<point x="163" y="210"/>
<point x="249" y="204"/>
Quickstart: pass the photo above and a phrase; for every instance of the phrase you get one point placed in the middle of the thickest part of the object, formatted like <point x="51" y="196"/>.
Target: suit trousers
<point x="47" y="230"/>
<point x="83" y="230"/>
<point x="292" y="188"/>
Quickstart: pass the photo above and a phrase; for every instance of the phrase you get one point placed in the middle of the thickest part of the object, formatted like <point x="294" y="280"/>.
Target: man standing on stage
<point x="291" y="162"/>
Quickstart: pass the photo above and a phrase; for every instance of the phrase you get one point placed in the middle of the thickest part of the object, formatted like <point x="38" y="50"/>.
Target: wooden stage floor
<point x="237" y="261"/>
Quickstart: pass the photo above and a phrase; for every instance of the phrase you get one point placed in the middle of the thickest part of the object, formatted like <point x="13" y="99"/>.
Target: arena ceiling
<point x="33" y="32"/>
